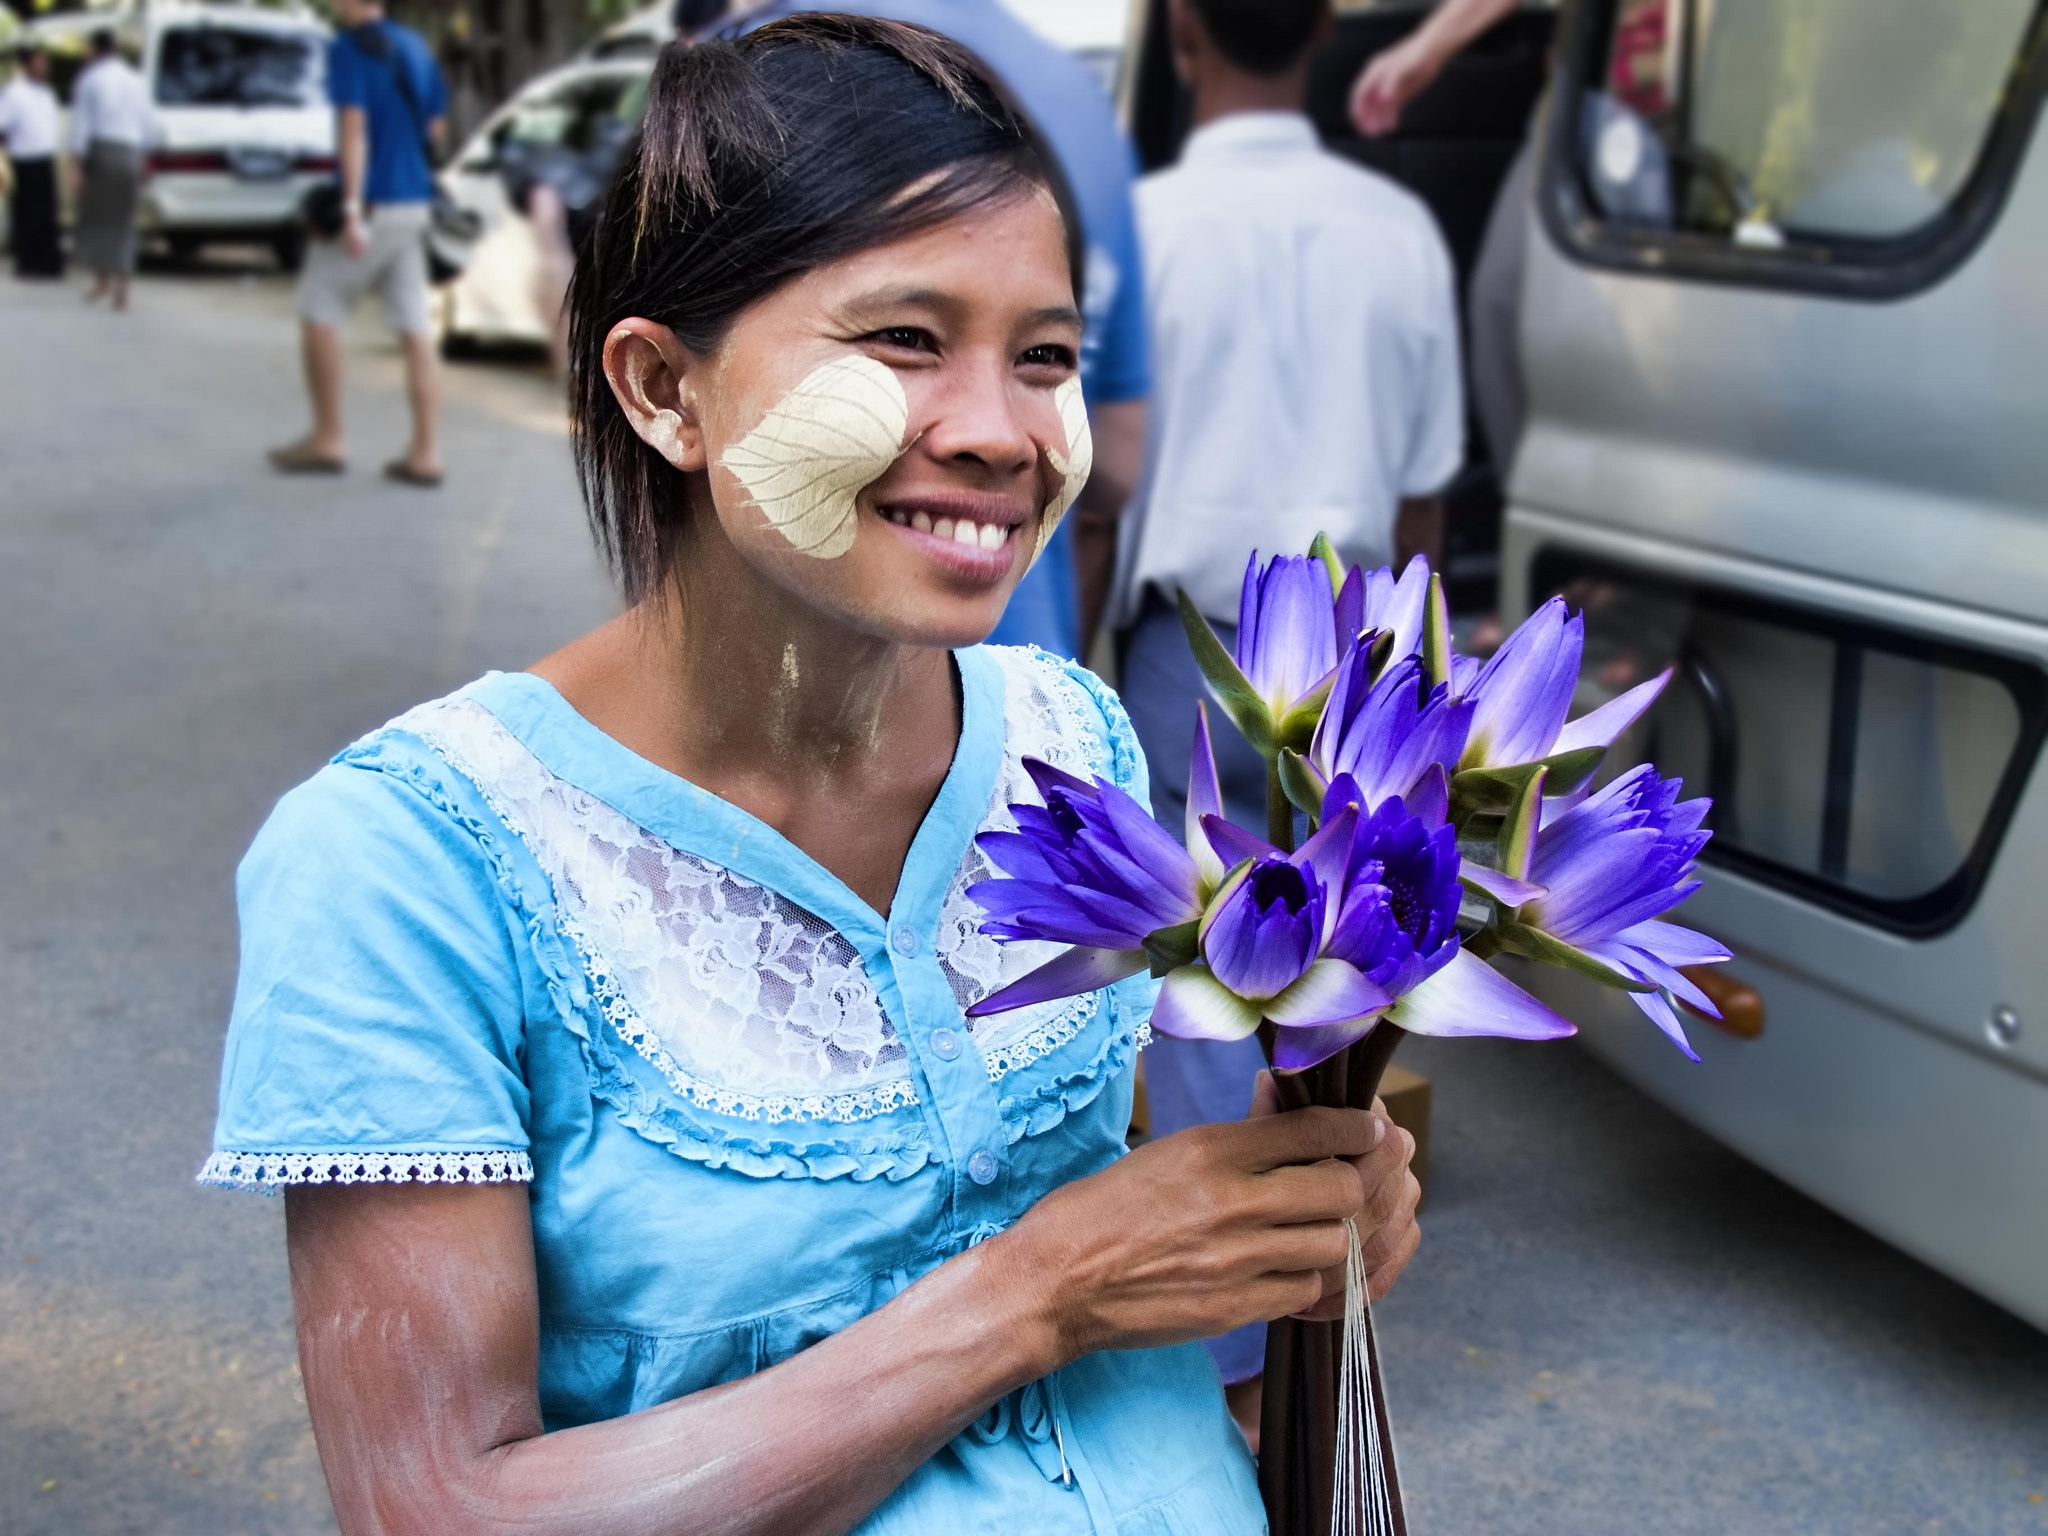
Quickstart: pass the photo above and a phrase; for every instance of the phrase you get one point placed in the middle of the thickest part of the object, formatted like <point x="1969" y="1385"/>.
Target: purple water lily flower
<point x="1090" y="868"/>
<point x="1398" y="606"/>
<point x="1387" y="735"/>
<point x="1608" y="867"/>
<point x="1357" y="925"/>
<point x="1521" y="697"/>
<point x="1291" y="627"/>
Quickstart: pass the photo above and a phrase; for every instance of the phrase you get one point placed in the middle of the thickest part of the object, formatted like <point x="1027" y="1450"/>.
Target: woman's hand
<point x="1218" y="1226"/>
<point x="1386" y="1231"/>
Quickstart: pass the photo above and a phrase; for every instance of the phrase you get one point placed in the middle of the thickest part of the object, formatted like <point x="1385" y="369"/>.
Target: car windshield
<point x="226" y="67"/>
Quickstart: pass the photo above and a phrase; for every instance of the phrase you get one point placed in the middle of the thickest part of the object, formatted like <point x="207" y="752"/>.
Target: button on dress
<point x="488" y="943"/>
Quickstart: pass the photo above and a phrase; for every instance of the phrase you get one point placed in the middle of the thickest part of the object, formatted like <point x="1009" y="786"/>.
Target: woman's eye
<point x="1051" y="355"/>
<point x="908" y="338"/>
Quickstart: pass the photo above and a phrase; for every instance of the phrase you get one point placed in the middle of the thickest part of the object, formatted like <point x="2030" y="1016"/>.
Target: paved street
<point x="1614" y="1326"/>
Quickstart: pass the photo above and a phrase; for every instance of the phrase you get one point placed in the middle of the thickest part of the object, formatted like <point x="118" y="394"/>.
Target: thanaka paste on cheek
<point x="818" y="448"/>
<point x="1071" y="466"/>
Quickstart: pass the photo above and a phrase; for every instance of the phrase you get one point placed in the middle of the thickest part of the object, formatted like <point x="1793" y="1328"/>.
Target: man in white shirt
<point x="1305" y="379"/>
<point x="110" y="127"/>
<point x="28" y="128"/>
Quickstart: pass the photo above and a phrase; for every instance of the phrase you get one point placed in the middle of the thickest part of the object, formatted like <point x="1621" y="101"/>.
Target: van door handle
<point x="1741" y="1005"/>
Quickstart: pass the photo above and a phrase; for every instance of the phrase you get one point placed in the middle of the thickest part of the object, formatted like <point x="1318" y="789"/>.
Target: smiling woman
<point x="607" y="1025"/>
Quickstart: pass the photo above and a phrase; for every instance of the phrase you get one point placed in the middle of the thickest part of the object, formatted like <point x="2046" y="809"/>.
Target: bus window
<point x="1868" y="770"/>
<point x="1800" y="139"/>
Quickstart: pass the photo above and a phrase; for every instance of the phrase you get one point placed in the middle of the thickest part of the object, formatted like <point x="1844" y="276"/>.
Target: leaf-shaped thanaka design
<point x="1073" y="465"/>
<point x="818" y="448"/>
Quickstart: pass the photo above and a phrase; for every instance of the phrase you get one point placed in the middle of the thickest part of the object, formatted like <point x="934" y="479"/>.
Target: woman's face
<point x="885" y="436"/>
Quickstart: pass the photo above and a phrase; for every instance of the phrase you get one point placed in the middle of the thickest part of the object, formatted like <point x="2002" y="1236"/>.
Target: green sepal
<point x="1436" y="634"/>
<point x="1247" y="711"/>
<point x="1475" y="790"/>
<point x="1535" y="944"/>
<point x="1297" y="728"/>
<point x="1320" y="549"/>
<point x="1517" y="840"/>
<point x="1171" y="948"/>
<point x="1483" y="945"/>
<point x="1382" y="652"/>
<point x="1303" y="786"/>
<point x="1570" y="770"/>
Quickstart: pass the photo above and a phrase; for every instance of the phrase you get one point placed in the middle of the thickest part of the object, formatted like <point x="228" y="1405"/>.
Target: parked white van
<point x="243" y="124"/>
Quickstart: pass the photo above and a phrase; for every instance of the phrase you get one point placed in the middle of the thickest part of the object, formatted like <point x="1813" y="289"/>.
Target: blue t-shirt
<point x="362" y="66"/>
<point x="488" y="943"/>
<point x="1066" y="104"/>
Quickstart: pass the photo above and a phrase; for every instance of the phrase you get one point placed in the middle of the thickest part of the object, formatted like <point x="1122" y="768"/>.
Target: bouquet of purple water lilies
<point x="1452" y="816"/>
<point x="1453" y="819"/>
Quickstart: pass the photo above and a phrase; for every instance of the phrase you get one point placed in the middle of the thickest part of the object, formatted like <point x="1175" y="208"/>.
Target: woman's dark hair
<point x="759" y="160"/>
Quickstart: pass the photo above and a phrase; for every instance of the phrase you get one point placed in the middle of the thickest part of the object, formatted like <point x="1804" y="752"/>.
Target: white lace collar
<point x="749" y="1005"/>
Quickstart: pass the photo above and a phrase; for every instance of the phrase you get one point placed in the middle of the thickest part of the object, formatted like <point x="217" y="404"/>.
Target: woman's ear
<point x="654" y="377"/>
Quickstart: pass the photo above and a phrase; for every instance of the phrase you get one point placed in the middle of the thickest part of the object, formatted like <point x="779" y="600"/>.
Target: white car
<point x="243" y="125"/>
<point x="566" y="111"/>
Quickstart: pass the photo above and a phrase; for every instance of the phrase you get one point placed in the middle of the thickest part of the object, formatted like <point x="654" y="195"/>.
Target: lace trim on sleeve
<point x="270" y="1172"/>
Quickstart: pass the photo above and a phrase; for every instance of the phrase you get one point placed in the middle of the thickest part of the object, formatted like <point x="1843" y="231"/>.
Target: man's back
<point x="112" y="102"/>
<point x="1304" y="355"/>
<point x="387" y="72"/>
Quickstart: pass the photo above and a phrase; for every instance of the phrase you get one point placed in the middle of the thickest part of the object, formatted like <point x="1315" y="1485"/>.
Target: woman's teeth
<point x="965" y="531"/>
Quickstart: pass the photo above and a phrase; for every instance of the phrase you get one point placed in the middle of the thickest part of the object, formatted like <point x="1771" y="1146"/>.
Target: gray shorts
<point x="333" y="282"/>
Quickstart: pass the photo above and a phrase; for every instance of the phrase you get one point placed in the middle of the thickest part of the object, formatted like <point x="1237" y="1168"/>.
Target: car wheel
<point x="184" y="249"/>
<point x="290" y="250"/>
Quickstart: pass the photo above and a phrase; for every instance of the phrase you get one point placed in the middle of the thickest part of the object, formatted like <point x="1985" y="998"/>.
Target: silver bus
<point x="1785" y="348"/>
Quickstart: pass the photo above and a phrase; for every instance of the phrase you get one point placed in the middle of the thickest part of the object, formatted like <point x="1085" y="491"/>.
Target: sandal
<point x="304" y="459"/>
<point x="405" y="474"/>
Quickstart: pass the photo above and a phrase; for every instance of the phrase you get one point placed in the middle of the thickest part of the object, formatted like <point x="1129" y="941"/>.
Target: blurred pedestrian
<point x="28" y="126"/>
<point x="1390" y="80"/>
<point x="1305" y="379"/>
<point x="111" y="127"/>
<point x="1058" y="603"/>
<point x="391" y="105"/>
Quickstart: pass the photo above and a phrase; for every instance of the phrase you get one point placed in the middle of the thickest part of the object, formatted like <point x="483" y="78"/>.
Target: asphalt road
<point x="1613" y="1327"/>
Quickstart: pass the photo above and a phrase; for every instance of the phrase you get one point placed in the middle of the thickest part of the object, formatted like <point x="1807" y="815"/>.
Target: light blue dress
<point x="487" y="942"/>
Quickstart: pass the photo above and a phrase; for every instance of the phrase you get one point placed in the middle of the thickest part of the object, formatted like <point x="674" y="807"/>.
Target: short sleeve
<point x="1437" y="443"/>
<point x="345" y="74"/>
<point x="377" y="1031"/>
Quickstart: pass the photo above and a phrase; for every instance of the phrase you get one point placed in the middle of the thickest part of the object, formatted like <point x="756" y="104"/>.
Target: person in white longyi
<point x="111" y="127"/>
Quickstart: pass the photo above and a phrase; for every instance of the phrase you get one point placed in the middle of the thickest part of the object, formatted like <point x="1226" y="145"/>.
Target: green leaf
<point x="1170" y="948"/>
<point x="1304" y="786"/>
<point x="1535" y="944"/>
<point x="1247" y="711"/>
<point x="1320" y="549"/>
<point x="1517" y="840"/>
<point x="1477" y="790"/>
<point x="1436" y="634"/>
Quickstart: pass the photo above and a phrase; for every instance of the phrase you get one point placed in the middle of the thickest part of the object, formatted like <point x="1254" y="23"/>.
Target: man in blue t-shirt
<point x="1070" y="583"/>
<point x="390" y="103"/>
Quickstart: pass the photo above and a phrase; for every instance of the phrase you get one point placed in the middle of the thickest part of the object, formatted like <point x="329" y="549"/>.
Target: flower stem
<point x="1279" y="812"/>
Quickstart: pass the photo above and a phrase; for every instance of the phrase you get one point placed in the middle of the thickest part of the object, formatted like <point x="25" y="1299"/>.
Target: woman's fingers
<point x="1301" y="1136"/>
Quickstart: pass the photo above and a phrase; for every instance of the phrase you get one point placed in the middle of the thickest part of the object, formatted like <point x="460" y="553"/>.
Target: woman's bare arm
<point x="418" y="1334"/>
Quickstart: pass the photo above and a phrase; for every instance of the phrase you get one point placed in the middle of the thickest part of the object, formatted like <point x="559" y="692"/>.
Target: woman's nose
<point x="982" y="416"/>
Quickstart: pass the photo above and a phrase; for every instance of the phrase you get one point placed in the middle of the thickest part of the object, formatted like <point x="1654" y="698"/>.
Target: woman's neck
<point x="837" y="739"/>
